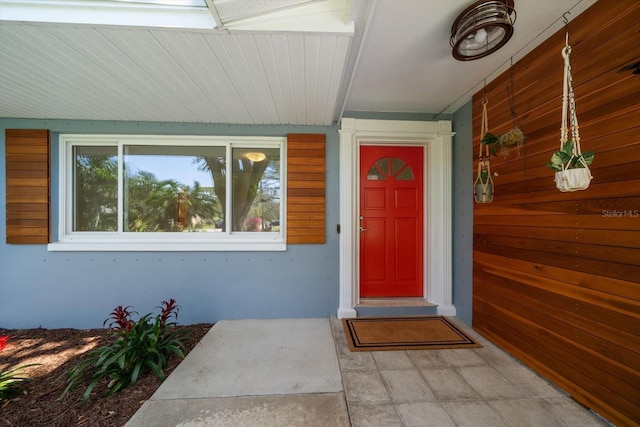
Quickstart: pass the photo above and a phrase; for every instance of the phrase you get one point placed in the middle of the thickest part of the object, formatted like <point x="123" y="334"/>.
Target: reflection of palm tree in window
<point x="245" y="182"/>
<point x="167" y="205"/>
<point x="140" y="214"/>
<point x="170" y="204"/>
<point x="165" y="200"/>
<point x="203" y="207"/>
<point x="96" y="186"/>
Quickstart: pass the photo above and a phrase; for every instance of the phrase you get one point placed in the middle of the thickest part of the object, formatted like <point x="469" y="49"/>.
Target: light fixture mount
<point x="482" y="28"/>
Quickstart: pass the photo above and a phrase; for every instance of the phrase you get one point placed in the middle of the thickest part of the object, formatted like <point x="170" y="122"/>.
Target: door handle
<point x="363" y="229"/>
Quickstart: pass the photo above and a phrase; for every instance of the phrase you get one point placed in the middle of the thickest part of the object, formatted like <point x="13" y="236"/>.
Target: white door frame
<point x="436" y="138"/>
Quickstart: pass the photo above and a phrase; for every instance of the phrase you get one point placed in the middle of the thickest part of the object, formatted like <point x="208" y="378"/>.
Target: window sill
<point x="165" y="246"/>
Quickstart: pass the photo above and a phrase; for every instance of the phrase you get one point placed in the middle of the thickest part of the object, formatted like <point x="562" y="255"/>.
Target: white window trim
<point x="127" y="241"/>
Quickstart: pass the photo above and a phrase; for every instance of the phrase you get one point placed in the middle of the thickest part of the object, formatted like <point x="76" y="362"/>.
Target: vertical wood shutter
<point x="306" y="176"/>
<point x="27" y="185"/>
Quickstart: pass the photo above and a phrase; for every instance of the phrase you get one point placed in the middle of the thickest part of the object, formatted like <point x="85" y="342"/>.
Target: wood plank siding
<point x="27" y="186"/>
<point x="556" y="276"/>
<point x="306" y="177"/>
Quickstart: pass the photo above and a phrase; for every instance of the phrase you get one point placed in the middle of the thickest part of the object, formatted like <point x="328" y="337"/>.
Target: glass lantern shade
<point x="482" y="28"/>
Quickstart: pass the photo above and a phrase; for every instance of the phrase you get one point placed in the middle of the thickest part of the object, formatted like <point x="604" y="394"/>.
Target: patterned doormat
<point x="404" y="333"/>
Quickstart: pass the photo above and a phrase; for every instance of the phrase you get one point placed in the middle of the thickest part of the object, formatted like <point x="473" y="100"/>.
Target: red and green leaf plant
<point x="120" y="319"/>
<point x="11" y="380"/>
<point x="139" y="347"/>
<point x="168" y="309"/>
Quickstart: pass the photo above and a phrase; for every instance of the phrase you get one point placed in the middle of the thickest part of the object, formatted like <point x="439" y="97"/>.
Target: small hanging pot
<point x="483" y="193"/>
<point x="512" y="140"/>
<point x="483" y="185"/>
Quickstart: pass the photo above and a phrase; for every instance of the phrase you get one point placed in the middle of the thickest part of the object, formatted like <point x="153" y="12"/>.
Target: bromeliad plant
<point x="11" y="379"/>
<point x="140" y="346"/>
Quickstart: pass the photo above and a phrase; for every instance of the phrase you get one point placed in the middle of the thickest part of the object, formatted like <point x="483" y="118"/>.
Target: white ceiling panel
<point x="407" y="58"/>
<point x="114" y="73"/>
<point x="271" y="62"/>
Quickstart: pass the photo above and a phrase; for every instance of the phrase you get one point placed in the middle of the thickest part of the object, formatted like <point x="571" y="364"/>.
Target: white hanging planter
<point x="569" y="162"/>
<point x="573" y="179"/>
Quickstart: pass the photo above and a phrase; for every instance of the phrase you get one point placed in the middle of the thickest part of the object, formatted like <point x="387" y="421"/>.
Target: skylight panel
<point x="325" y="16"/>
<point x="191" y="3"/>
<point x="239" y="9"/>
<point x="182" y="14"/>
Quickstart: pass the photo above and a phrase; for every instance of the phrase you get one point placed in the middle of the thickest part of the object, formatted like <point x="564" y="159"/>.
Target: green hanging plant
<point x="566" y="156"/>
<point x="504" y="143"/>
<point x="484" y="175"/>
<point x="510" y="142"/>
<point x="492" y="141"/>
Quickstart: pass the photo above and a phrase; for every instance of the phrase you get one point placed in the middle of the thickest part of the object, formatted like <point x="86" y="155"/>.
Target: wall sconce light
<point x="482" y="28"/>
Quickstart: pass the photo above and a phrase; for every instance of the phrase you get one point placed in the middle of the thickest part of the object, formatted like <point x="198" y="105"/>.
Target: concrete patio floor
<point x="300" y="372"/>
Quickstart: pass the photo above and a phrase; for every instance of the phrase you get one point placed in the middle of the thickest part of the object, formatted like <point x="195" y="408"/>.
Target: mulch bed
<point x="57" y="350"/>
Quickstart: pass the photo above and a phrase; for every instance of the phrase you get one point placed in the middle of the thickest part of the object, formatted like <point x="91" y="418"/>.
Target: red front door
<point x="391" y="221"/>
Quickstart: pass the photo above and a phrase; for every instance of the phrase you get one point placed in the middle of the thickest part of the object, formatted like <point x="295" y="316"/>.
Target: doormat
<point x="404" y="333"/>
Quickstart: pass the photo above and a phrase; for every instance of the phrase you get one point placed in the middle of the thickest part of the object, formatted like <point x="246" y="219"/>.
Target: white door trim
<point x="436" y="137"/>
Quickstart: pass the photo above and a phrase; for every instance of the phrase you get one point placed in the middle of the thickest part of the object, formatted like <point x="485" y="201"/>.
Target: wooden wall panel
<point x="306" y="177"/>
<point x="557" y="275"/>
<point x="27" y="186"/>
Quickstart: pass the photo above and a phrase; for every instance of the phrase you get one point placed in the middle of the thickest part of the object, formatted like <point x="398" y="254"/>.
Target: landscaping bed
<point x="56" y="351"/>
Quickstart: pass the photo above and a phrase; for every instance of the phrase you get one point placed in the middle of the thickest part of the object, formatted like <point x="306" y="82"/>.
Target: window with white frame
<point x="124" y="192"/>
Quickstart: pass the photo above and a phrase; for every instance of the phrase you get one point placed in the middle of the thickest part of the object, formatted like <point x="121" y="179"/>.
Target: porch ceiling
<point x="301" y="62"/>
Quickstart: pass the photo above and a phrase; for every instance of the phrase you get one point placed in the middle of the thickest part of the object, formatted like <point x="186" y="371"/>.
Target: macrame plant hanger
<point x="574" y="174"/>
<point x="483" y="185"/>
<point x="512" y="140"/>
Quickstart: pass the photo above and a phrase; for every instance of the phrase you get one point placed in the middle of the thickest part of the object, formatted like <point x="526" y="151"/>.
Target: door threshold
<point x="377" y="307"/>
<point x="395" y="302"/>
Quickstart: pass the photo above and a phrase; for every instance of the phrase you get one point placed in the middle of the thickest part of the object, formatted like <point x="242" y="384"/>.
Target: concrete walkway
<point x="300" y="372"/>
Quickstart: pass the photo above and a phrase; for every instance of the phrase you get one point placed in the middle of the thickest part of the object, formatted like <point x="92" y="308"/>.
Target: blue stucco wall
<point x="80" y="289"/>
<point x="462" y="213"/>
